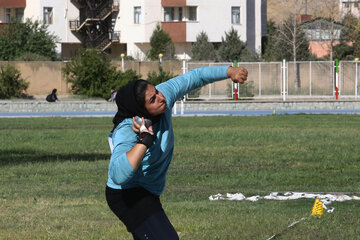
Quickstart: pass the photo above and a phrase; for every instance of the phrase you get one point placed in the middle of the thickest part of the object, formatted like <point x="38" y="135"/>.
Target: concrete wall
<point x="45" y="76"/>
<point x="42" y="76"/>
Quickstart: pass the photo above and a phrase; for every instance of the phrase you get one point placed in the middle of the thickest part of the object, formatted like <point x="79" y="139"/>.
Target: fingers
<point x="240" y="75"/>
<point x="135" y="129"/>
<point x="135" y="124"/>
<point x="141" y="128"/>
<point x="150" y="129"/>
<point x="143" y="121"/>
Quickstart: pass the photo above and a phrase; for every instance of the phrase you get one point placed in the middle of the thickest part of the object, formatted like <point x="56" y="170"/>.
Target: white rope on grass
<point x="325" y="198"/>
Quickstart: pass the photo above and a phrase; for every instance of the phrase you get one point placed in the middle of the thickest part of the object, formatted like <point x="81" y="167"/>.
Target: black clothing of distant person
<point x="52" y="97"/>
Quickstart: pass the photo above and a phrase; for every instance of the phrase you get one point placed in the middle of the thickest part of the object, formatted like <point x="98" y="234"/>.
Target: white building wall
<point x="137" y="36"/>
<point x="183" y="50"/>
<point x="215" y="19"/>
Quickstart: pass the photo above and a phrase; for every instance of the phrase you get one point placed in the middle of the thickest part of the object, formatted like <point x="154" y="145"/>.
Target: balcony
<point x="115" y="36"/>
<point x="173" y="3"/>
<point x="74" y="25"/>
<point x="13" y="4"/>
<point x="176" y="30"/>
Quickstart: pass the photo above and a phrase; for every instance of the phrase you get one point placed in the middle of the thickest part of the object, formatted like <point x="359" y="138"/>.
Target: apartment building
<point x="350" y="6"/>
<point x="120" y="26"/>
<point x="185" y="19"/>
<point x="55" y="14"/>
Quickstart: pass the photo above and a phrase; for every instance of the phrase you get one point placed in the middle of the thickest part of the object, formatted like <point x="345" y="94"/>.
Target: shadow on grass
<point x="20" y="156"/>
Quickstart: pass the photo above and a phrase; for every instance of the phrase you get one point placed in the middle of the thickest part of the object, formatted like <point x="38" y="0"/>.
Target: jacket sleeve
<point x="120" y="170"/>
<point x="177" y="87"/>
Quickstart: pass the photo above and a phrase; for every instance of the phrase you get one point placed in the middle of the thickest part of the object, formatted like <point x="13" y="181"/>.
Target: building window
<point x="192" y="13"/>
<point x="235" y="15"/>
<point x="169" y="14"/>
<point x="347" y="5"/>
<point x="20" y="14"/>
<point x="48" y="15"/>
<point x="137" y="15"/>
<point x="180" y="14"/>
<point x="8" y="15"/>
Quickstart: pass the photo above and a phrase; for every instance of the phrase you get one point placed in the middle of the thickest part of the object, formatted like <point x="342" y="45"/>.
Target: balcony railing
<point x="115" y="36"/>
<point x="74" y="25"/>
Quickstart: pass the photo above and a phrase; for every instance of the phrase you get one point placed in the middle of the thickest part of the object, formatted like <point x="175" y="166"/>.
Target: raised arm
<point x="179" y="86"/>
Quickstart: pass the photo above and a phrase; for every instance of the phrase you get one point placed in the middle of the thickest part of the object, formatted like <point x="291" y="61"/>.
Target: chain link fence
<point x="349" y="78"/>
<point x="271" y="80"/>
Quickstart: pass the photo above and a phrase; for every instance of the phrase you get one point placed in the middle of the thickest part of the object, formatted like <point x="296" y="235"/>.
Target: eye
<point x="157" y="92"/>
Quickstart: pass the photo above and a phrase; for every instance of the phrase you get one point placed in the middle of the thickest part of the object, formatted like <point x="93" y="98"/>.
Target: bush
<point x="246" y="89"/>
<point x="157" y="78"/>
<point x="29" y="56"/>
<point x="92" y="74"/>
<point x="11" y="83"/>
<point x="343" y="51"/>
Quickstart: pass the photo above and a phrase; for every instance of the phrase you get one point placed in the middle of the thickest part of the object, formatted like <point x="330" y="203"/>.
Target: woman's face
<point x="155" y="102"/>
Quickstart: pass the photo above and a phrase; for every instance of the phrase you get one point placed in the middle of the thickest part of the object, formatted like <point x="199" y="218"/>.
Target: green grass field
<point x="54" y="170"/>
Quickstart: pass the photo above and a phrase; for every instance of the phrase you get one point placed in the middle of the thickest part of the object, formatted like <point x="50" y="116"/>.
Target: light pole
<point x="160" y="58"/>
<point x="122" y="62"/>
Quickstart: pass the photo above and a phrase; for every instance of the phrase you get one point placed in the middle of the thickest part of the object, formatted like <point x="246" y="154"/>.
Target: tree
<point x="329" y="9"/>
<point x="160" y="42"/>
<point x="291" y="41"/>
<point x="232" y="48"/>
<point x="91" y="74"/>
<point x="11" y="83"/>
<point x="18" y="39"/>
<point x="271" y="52"/>
<point x="202" y="49"/>
<point x="352" y="32"/>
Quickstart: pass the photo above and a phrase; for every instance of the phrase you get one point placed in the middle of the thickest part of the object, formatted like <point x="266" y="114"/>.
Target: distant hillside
<point x="279" y="10"/>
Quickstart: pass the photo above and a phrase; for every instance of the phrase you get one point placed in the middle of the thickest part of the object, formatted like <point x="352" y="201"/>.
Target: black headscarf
<point x="128" y="106"/>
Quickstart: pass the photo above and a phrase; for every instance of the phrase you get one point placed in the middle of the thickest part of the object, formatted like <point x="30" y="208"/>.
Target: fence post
<point x="284" y="80"/>
<point x="310" y="77"/>
<point x="182" y="107"/>
<point x="260" y="79"/>
<point x="337" y="78"/>
<point x="235" y="84"/>
<point x="184" y="68"/>
<point x="356" y="76"/>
